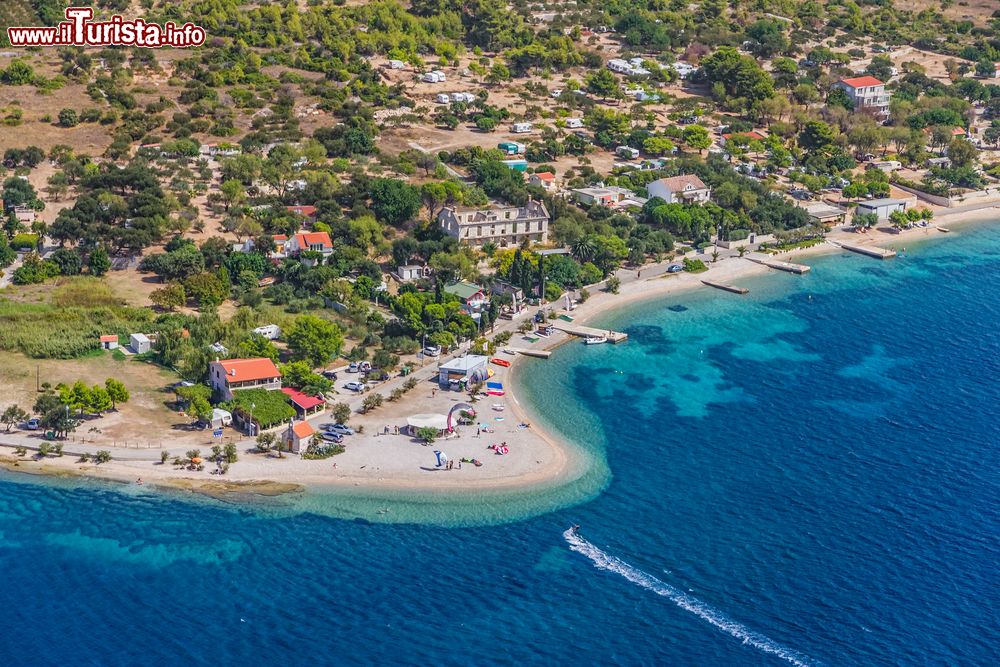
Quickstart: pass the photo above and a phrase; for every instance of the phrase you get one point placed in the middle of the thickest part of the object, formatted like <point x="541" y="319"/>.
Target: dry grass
<point x="145" y="420"/>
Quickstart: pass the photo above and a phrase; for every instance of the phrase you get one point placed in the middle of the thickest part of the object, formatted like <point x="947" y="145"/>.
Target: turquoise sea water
<point x="806" y="475"/>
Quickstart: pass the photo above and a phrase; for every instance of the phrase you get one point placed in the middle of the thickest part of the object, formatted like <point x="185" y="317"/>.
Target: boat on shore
<point x="595" y="340"/>
<point x="500" y="362"/>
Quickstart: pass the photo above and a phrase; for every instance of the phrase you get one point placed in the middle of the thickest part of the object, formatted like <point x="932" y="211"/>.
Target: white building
<point x="611" y="195"/>
<point x="139" y="343"/>
<point x="234" y="374"/>
<point x="574" y="123"/>
<point x="882" y="208"/>
<point x="867" y="94"/>
<point x="687" y="189"/>
<point x="411" y="272"/>
<point x="470" y="368"/>
<point x="503" y="226"/>
<point x="543" y="179"/>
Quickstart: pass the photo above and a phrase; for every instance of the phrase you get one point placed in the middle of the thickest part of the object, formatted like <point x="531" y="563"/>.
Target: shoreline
<point x="558" y="461"/>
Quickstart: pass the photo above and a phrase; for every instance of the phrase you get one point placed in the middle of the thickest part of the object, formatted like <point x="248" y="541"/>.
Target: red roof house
<point x="314" y="241"/>
<point x="234" y="374"/>
<point x="305" y="211"/>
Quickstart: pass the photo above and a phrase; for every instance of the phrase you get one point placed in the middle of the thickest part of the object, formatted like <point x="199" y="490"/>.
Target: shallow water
<point x="804" y="475"/>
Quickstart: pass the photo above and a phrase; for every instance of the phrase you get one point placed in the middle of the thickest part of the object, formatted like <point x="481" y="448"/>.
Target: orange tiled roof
<point x="303" y="429"/>
<point x="307" y="239"/>
<point x="244" y="370"/>
<point x="862" y="82"/>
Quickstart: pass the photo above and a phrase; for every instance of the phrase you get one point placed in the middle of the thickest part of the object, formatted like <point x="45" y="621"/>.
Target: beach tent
<point x="428" y="420"/>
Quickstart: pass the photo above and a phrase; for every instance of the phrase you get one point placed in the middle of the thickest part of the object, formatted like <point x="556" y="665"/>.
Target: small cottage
<point x="297" y="437"/>
<point x="109" y="342"/>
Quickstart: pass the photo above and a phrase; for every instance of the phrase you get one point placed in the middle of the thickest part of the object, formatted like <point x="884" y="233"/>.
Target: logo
<point x="79" y="30"/>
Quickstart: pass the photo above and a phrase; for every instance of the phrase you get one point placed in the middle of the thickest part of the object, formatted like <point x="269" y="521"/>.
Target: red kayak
<point x="500" y="362"/>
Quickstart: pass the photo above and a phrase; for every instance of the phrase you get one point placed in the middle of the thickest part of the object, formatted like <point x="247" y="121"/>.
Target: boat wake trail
<point x="686" y="602"/>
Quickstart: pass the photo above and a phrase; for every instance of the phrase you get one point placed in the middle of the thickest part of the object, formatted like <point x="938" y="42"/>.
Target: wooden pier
<point x="870" y="251"/>
<point x="726" y="288"/>
<point x="586" y="332"/>
<point x="781" y="266"/>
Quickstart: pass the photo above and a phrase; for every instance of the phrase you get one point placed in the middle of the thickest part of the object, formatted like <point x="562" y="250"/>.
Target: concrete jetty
<point x="585" y="332"/>
<point x="528" y="352"/>
<point x="781" y="266"/>
<point x="870" y="251"/>
<point x="726" y="288"/>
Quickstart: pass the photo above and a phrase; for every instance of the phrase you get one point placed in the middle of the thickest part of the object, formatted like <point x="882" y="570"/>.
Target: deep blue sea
<point x="805" y="475"/>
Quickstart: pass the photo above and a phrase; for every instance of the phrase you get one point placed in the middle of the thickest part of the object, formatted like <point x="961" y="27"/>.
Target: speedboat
<point x="595" y="340"/>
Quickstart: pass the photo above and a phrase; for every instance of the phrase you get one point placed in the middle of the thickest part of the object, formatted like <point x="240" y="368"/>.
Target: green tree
<point x="206" y="289"/>
<point x="117" y="392"/>
<point x="603" y="83"/>
<point x="341" y="413"/>
<point x="427" y="433"/>
<point x="985" y="69"/>
<point x="169" y="297"/>
<point x="697" y="137"/>
<point x="394" y="201"/>
<point x="12" y="415"/>
<point x="962" y="153"/>
<point x="99" y="262"/>
<point x="314" y="340"/>
<point x="99" y="400"/>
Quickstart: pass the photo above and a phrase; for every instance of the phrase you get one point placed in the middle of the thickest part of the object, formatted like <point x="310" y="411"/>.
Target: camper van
<point x="521" y="128"/>
<point x="627" y="152"/>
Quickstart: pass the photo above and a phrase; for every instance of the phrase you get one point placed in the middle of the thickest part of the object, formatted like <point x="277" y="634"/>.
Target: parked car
<point x="339" y="429"/>
<point x="675" y="268"/>
<point x="33" y="424"/>
<point x="332" y="437"/>
<point x="432" y="351"/>
<point x="356" y="386"/>
<point x="330" y="375"/>
<point x="353" y="368"/>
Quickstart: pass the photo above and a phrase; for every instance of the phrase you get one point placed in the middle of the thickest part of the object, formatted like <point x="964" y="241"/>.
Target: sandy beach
<point x="380" y="458"/>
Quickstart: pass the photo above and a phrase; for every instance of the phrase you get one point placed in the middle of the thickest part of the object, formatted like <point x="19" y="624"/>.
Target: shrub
<point x="371" y="402"/>
<point x="694" y="265"/>
<point x="24" y="241"/>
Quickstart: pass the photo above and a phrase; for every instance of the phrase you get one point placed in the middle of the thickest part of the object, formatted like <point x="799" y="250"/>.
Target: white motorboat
<point x="595" y="340"/>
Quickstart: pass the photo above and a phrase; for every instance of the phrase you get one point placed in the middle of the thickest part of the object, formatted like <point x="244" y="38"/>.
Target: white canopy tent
<point x="427" y="420"/>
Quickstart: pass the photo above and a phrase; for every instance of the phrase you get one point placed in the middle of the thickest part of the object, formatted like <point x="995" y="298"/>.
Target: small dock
<point x="585" y="332"/>
<point x="528" y="352"/>
<point x="781" y="266"/>
<point x="726" y="288"/>
<point x="870" y="251"/>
